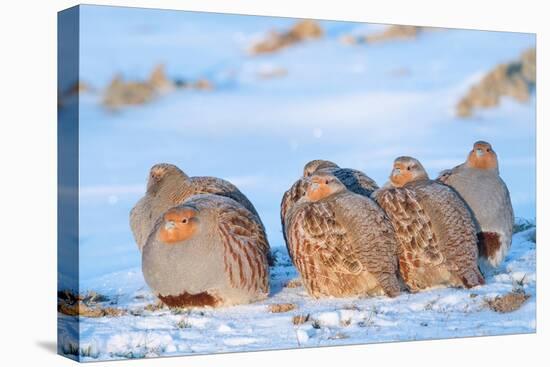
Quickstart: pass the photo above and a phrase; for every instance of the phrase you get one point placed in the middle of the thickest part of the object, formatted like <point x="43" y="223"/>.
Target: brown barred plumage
<point x="354" y="180"/>
<point x="290" y="197"/>
<point x="434" y="228"/>
<point x="342" y="244"/>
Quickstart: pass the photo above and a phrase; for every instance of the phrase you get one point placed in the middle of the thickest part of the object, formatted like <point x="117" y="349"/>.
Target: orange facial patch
<point x="319" y="189"/>
<point x="179" y="225"/>
<point x="482" y="157"/>
<point x="403" y="177"/>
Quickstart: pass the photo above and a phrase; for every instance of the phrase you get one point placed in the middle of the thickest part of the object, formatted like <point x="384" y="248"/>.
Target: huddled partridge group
<point x="203" y="242"/>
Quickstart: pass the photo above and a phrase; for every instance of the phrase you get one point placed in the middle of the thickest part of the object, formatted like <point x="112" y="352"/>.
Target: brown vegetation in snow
<point x="300" y="319"/>
<point x="87" y="305"/>
<point x="294" y="283"/>
<point x="122" y="93"/>
<point x="391" y="33"/>
<point x="306" y="29"/>
<point x="509" y="302"/>
<point x="515" y="79"/>
<point x="281" y="307"/>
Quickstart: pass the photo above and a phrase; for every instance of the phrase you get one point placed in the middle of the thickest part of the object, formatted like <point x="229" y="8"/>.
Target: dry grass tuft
<point x="121" y="93"/>
<point x="391" y="33"/>
<point x="294" y="283"/>
<point x="300" y="319"/>
<point x="509" y="302"/>
<point x="395" y="32"/>
<point x="515" y="79"/>
<point x="81" y="309"/>
<point x="87" y="305"/>
<point x="203" y="84"/>
<point x="281" y="307"/>
<point x="183" y="324"/>
<point x="303" y="30"/>
<point x="152" y="307"/>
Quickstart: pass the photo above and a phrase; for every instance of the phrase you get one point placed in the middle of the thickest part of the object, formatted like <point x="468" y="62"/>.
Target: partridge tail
<point x="473" y="278"/>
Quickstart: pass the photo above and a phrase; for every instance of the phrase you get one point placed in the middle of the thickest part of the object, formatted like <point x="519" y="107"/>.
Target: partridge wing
<point x="245" y="248"/>
<point x="290" y="197"/>
<point x="457" y="231"/>
<point x="418" y="245"/>
<point x="319" y="245"/>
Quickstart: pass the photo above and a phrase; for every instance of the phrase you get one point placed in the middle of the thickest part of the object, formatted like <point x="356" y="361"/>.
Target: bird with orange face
<point x="208" y="251"/>
<point x="435" y="230"/>
<point x="354" y="180"/>
<point x="479" y="183"/>
<point x="341" y="243"/>
<point x="168" y="186"/>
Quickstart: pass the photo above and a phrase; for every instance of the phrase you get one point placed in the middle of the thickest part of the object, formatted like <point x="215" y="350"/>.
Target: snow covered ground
<point x="438" y="313"/>
<point x="360" y="106"/>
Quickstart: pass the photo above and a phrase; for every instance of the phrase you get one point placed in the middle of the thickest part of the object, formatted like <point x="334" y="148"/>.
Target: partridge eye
<point x="326" y="182"/>
<point x="488" y="149"/>
<point x="184" y="220"/>
<point x="409" y="168"/>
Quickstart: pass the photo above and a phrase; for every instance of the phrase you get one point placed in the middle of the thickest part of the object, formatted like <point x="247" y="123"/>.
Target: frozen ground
<point x="439" y="313"/>
<point x="360" y="106"/>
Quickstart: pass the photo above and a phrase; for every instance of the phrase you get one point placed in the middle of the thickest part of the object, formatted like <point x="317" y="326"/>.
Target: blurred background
<point x="252" y="99"/>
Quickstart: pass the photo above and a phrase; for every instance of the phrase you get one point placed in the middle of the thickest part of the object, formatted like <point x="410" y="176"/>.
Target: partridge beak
<point x="169" y="225"/>
<point x="479" y="152"/>
<point x="313" y="184"/>
<point x="396" y="171"/>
